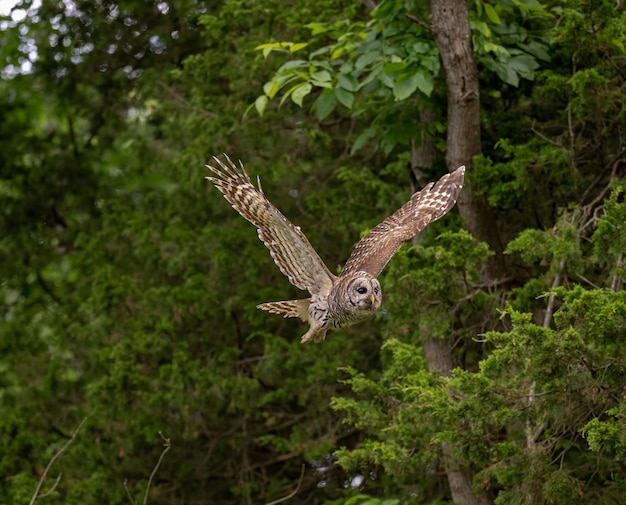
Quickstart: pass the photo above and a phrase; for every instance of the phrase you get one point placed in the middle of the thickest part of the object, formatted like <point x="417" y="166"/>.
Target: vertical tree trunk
<point x="450" y="26"/>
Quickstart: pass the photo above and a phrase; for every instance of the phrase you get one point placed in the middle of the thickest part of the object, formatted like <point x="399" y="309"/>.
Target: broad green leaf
<point x="317" y="28"/>
<point x="492" y="14"/>
<point x="270" y="88"/>
<point x="482" y="27"/>
<point x="272" y="46"/>
<point x="363" y="138"/>
<point x="337" y="52"/>
<point x="344" y="96"/>
<point x="260" y="104"/>
<point x="425" y="82"/>
<point x="347" y="82"/>
<point x="404" y="86"/>
<point x="322" y="76"/>
<point x="325" y="104"/>
<point x="321" y="84"/>
<point x="300" y="92"/>
<point x="366" y="59"/>
<point x="297" y="47"/>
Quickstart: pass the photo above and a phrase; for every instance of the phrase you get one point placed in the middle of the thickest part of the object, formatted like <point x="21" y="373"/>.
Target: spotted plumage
<point x="336" y="301"/>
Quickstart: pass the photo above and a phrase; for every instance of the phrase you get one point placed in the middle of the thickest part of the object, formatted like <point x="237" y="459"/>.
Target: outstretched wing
<point x="375" y="250"/>
<point x="289" y="248"/>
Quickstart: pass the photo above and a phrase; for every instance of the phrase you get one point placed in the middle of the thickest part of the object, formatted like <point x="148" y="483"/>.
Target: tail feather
<point x="288" y="308"/>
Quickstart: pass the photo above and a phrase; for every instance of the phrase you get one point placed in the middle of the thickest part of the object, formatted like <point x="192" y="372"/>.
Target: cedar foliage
<point x="128" y="286"/>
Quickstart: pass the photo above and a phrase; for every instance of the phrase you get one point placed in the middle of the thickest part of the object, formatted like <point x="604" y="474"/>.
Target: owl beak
<point x="372" y="299"/>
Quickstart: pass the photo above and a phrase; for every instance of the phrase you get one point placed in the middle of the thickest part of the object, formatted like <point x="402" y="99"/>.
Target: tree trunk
<point x="450" y="26"/>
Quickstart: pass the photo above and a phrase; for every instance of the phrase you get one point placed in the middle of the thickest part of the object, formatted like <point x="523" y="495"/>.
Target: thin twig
<point x="541" y="135"/>
<point x="418" y="21"/>
<point x="168" y="445"/>
<point x="54" y="486"/>
<point x="130" y="497"/>
<point x="292" y="494"/>
<point x="49" y="465"/>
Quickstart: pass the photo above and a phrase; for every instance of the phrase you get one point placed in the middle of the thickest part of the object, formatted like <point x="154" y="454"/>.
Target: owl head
<point x="364" y="292"/>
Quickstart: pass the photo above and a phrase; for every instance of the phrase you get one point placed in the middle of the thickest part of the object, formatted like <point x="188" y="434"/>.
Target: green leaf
<point x="297" y="47"/>
<point x="325" y="104"/>
<point x="363" y="138"/>
<point x="421" y="47"/>
<point x="270" y="88"/>
<point x="425" y="82"/>
<point x="300" y="92"/>
<point x="492" y="14"/>
<point x="406" y="85"/>
<point x="348" y="82"/>
<point x="322" y="76"/>
<point x="344" y="96"/>
<point x="272" y="46"/>
<point x="260" y="104"/>
<point x="366" y="59"/>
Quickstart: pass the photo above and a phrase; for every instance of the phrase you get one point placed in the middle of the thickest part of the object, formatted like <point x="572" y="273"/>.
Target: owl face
<point x="364" y="293"/>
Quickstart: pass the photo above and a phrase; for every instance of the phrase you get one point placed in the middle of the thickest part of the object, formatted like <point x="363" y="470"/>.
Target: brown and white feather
<point x="376" y="248"/>
<point x="288" y="246"/>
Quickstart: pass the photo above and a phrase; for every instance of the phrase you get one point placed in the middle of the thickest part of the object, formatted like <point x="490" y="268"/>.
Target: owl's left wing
<point x="288" y="246"/>
<point x="375" y="250"/>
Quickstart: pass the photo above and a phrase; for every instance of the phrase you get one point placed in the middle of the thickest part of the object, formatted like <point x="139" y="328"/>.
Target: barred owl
<point x="336" y="301"/>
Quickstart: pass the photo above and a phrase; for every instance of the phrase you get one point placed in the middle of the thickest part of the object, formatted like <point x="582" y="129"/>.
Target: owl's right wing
<point x="288" y="246"/>
<point x="374" y="250"/>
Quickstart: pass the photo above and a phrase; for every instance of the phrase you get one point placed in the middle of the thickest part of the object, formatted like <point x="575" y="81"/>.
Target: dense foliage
<point x="128" y="286"/>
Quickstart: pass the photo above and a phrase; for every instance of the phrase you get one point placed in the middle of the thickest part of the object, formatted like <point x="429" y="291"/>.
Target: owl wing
<point x="375" y="250"/>
<point x="288" y="246"/>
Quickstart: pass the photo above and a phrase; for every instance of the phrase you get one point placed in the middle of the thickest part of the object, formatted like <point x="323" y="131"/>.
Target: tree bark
<point x="450" y="26"/>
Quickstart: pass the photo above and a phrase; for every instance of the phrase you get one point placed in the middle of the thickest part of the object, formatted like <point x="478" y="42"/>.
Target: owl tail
<point x="288" y="308"/>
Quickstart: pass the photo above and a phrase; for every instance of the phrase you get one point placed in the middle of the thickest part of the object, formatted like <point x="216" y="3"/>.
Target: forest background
<point x="134" y="367"/>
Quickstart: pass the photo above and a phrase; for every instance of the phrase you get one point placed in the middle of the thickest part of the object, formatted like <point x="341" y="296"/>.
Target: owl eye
<point x="376" y="290"/>
<point x="361" y="290"/>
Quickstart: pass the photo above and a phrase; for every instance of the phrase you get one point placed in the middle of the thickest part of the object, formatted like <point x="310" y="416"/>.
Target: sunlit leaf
<point x="300" y="92"/>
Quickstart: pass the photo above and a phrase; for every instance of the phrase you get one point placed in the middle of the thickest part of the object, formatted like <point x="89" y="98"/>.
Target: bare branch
<point x="542" y="136"/>
<point x="168" y="445"/>
<point x="49" y="465"/>
<point x="616" y="283"/>
<point x="54" y="486"/>
<point x="292" y="494"/>
<point x="555" y="284"/>
<point x="419" y="22"/>
<point x="130" y="497"/>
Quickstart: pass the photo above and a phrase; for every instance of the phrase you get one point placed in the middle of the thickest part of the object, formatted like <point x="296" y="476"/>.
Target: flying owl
<point x="336" y="301"/>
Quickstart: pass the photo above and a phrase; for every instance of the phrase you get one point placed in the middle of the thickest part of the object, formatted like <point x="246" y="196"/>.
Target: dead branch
<point x="547" y="319"/>
<point x="49" y="465"/>
<point x="292" y="494"/>
<point x="168" y="445"/>
<point x="418" y="21"/>
<point x="616" y="282"/>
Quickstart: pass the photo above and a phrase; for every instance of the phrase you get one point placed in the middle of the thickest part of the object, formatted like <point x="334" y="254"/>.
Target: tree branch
<point x="168" y="445"/>
<point x="555" y="284"/>
<point x="292" y="494"/>
<point x="49" y="465"/>
<point x="418" y="21"/>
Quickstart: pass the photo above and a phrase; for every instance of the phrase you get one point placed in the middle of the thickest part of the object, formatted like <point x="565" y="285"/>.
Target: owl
<point x="335" y="301"/>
